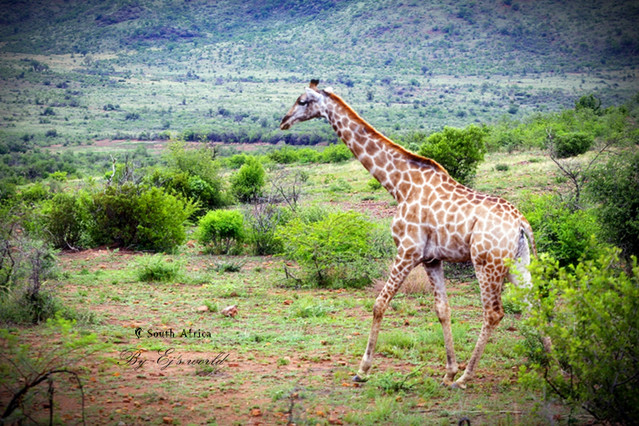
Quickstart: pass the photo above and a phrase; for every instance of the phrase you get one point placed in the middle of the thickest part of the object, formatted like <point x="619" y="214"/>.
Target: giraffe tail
<point x="526" y="228"/>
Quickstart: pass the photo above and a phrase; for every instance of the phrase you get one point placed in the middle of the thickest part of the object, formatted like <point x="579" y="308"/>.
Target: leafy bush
<point x="458" y="151"/>
<point x="589" y="312"/>
<point x="373" y="184"/>
<point x="138" y="216"/>
<point x="248" y="183"/>
<point x="158" y="268"/>
<point x="221" y="230"/>
<point x="615" y="187"/>
<point x="588" y="102"/>
<point x="66" y="221"/>
<point x="570" y="144"/>
<point x="335" y="250"/>
<point x="567" y="235"/>
<point x="194" y="173"/>
<point x="336" y="154"/>
<point x="284" y="155"/>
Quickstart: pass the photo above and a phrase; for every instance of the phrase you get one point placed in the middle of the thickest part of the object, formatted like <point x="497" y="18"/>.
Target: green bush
<point x="588" y="102"/>
<point x="615" y="186"/>
<point x="194" y="173"/>
<point x="66" y="221"/>
<point x="571" y="144"/>
<point x="158" y="268"/>
<point x="589" y="312"/>
<point x="138" y="217"/>
<point x="336" y="154"/>
<point x="458" y="151"/>
<point x="567" y="235"/>
<point x="221" y="230"/>
<point x="284" y="155"/>
<point x="373" y="184"/>
<point x="248" y="183"/>
<point x="335" y="250"/>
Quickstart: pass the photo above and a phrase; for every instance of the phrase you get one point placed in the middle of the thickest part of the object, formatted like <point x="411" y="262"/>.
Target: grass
<point x="291" y="352"/>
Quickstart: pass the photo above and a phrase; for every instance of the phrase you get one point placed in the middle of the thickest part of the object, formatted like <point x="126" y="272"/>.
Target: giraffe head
<point x="306" y="107"/>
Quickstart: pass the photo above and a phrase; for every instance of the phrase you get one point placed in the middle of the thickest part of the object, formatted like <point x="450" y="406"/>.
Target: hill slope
<point x="129" y="68"/>
<point x="410" y="36"/>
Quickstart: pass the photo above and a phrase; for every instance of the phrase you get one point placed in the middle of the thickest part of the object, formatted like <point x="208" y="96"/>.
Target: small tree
<point x="248" y="183"/>
<point x="459" y="151"/>
<point x="588" y="102"/>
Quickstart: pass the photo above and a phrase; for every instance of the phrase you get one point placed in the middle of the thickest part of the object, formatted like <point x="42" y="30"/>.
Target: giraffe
<point x="437" y="220"/>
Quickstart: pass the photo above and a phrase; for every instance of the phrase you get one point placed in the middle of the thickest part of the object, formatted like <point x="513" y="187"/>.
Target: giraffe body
<point x="437" y="219"/>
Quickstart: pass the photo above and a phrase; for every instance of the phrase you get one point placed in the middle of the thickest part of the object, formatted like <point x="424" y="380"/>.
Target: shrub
<point x="139" y="217"/>
<point x="567" y="235"/>
<point x="336" y="154"/>
<point x="589" y="312"/>
<point x="284" y="155"/>
<point x="588" y="102"/>
<point x="189" y="164"/>
<point x="262" y="222"/>
<point x="221" y="230"/>
<point x="334" y="250"/>
<point x="66" y="221"/>
<point x="30" y="264"/>
<point x="570" y="144"/>
<point x="33" y="369"/>
<point x="614" y="186"/>
<point x="158" y="268"/>
<point x="458" y="151"/>
<point x="374" y="185"/>
<point x="248" y="183"/>
<point x="161" y="218"/>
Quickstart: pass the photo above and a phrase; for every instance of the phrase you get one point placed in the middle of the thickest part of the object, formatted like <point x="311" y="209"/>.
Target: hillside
<point x="228" y="71"/>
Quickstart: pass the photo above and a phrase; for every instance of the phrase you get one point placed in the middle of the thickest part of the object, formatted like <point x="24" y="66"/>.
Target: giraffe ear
<point x="312" y="95"/>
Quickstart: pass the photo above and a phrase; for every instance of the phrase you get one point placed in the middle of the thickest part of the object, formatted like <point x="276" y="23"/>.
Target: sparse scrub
<point x="158" y="268"/>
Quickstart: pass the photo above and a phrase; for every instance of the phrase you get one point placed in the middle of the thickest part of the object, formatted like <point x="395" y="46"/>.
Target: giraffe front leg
<point x="399" y="271"/>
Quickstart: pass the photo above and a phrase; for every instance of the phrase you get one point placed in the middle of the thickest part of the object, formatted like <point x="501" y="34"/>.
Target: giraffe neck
<point x="384" y="159"/>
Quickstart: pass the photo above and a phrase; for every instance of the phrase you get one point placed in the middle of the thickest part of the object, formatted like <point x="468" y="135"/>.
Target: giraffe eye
<point x="301" y="102"/>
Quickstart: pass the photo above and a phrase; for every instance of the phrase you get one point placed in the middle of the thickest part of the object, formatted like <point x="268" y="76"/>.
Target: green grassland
<point x="291" y="351"/>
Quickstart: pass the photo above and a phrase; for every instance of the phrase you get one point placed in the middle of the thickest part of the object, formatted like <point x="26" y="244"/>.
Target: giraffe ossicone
<point x="437" y="220"/>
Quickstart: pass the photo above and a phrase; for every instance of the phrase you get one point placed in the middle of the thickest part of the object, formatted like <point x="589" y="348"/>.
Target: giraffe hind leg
<point x="435" y="272"/>
<point x="490" y="283"/>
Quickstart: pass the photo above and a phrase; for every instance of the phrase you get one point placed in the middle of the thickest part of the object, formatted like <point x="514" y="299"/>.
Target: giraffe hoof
<point x="358" y="379"/>
<point x="458" y="386"/>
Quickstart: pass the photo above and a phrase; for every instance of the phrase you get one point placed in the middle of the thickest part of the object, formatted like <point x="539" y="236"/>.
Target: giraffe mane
<point x="406" y="153"/>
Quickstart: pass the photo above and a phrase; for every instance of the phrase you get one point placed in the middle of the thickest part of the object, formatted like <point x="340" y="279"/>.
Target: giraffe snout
<point x="285" y="125"/>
